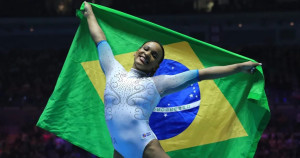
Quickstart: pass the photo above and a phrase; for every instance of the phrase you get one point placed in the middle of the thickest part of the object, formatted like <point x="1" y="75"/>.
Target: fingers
<point x="87" y="9"/>
<point x="250" y="67"/>
<point x="258" y="64"/>
<point x="251" y="63"/>
<point x="86" y="5"/>
<point x="85" y="2"/>
<point x="252" y="70"/>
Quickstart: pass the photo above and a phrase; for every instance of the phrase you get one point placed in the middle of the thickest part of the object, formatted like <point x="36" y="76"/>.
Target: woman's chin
<point x="142" y="68"/>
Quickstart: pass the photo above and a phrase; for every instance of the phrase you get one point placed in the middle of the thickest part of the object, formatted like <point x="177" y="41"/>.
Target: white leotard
<point x="130" y="98"/>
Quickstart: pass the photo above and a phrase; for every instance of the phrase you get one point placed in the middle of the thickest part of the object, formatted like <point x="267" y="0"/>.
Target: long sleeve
<point x="106" y="58"/>
<point x="166" y="84"/>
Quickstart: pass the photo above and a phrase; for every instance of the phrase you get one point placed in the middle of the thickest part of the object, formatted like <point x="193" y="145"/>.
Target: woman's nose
<point x="147" y="53"/>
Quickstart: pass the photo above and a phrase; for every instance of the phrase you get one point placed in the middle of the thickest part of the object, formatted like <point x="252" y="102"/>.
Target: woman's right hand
<point x="94" y="27"/>
<point x="87" y="9"/>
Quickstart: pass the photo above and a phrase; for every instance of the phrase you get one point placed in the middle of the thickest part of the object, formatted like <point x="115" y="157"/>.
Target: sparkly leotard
<point x="130" y="98"/>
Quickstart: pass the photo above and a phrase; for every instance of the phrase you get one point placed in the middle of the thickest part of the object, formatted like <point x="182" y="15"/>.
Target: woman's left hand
<point x="249" y="66"/>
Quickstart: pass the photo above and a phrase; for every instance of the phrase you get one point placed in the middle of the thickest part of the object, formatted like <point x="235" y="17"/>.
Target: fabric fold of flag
<point x="215" y="118"/>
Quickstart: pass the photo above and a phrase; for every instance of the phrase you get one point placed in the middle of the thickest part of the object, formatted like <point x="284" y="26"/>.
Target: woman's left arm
<point x="223" y="71"/>
<point x="166" y="84"/>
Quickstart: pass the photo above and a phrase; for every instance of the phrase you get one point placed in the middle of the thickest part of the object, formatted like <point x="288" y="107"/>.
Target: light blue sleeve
<point x="107" y="60"/>
<point x="167" y="84"/>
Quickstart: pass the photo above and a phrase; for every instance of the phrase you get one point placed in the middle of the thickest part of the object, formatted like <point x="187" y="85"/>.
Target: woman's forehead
<point x="154" y="46"/>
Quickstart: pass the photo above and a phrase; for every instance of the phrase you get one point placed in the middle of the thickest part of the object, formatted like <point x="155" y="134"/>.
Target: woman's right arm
<point x="106" y="58"/>
<point x="95" y="30"/>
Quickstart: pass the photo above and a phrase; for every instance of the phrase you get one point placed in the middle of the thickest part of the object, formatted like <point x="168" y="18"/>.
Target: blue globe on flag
<point x="175" y="112"/>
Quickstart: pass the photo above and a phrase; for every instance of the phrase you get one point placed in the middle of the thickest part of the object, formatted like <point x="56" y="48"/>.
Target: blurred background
<point x="35" y="36"/>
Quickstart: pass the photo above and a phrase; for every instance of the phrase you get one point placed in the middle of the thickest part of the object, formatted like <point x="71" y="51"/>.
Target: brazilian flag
<point x="215" y="118"/>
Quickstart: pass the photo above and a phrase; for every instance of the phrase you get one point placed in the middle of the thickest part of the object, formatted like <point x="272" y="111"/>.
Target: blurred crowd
<point x="32" y="142"/>
<point x="281" y="139"/>
<point x="50" y="8"/>
<point x="28" y="78"/>
<point x="255" y="5"/>
<point x="280" y="65"/>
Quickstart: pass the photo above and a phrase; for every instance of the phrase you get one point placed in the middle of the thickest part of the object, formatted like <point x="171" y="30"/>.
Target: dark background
<point x="35" y="36"/>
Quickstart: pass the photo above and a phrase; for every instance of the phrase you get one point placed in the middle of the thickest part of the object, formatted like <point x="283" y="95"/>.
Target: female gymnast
<point x="130" y="97"/>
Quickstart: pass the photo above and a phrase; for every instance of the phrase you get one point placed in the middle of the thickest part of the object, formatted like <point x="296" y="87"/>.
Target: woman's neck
<point x="138" y="73"/>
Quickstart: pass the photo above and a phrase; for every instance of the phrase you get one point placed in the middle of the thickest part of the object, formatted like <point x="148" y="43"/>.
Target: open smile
<point x="143" y="60"/>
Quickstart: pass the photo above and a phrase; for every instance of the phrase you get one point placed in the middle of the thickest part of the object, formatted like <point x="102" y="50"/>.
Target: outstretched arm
<point x="223" y="71"/>
<point x="95" y="30"/>
<point x="167" y="84"/>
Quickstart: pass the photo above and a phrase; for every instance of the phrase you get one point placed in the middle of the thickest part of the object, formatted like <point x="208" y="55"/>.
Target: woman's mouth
<point x="143" y="60"/>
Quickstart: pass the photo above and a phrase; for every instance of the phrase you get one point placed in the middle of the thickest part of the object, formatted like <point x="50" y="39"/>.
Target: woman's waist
<point x="126" y="126"/>
<point x="128" y="112"/>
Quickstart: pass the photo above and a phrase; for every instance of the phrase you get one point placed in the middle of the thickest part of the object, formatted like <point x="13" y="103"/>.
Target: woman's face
<point x="147" y="58"/>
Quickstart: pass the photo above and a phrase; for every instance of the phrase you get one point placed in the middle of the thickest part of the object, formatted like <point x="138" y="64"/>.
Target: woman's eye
<point x="146" y="48"/>
<point x="154" y="55"/>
